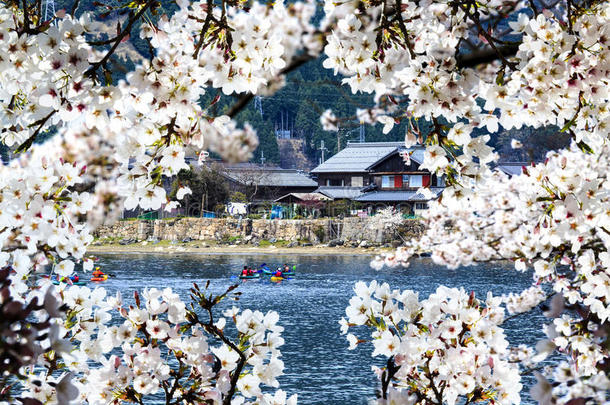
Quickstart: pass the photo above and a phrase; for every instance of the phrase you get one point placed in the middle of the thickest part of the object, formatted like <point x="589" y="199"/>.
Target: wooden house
<point x="377" y="174"/>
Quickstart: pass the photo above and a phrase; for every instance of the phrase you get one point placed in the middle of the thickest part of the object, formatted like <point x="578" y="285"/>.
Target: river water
<point x="318" y="365"/>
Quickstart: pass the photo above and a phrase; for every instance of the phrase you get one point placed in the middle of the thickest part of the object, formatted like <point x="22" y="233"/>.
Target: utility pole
<point x="322" y="149"/>
<point x="203" y="204"/>
<point x="338" y="138"/>
<point x="361" y="132"/>
<point x="258" y="104"/>
<point x="263" y="157"/>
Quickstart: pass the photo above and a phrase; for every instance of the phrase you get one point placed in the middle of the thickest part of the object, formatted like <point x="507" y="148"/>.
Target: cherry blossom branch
<point x="91" y="71"/>
<point x="207" y="305"/>
<point x="208" y="19"/>
<point x="403" y="29"/>
<point x="482" y="31"/>
<point x="437" y="394"/>
<point x="242" y="357"/>
<point x="386" y="378"/>
<point x="516" y="315"/>
<point x="534" y="8"/>
<point x="28" y="142"/>
<point x="74" y="7"/>
<point x="26" y="18"/>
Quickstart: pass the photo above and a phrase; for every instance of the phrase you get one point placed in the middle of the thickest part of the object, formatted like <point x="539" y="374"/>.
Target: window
<point x="405" y="180"/>
<point x="440" y="181"/>
<point x="357" y="181"/>
<point x="415" y="180"/>
<point x="328" y="182"/>
<point x="387" y="181"/>
<point x="421" y="206"/>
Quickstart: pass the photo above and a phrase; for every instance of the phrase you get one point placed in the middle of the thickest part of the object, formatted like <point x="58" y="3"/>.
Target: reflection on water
<point x="318" y="365"/>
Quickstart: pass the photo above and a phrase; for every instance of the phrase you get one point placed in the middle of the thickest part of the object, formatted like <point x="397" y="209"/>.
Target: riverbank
<point x="169" y="247"/>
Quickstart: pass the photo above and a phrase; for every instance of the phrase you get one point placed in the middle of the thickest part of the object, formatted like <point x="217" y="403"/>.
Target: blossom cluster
<point x="525" y="301"/>
<point x="443" y="348"/>
<point x="27" y="330"/>
<point x="39" y="213"/>
<point x="553" y="218"/>
<point x="163" y="347"/>
<point x="558" y="76"/>
<point x="153" y="118"/>
<point x="118" y="140"/>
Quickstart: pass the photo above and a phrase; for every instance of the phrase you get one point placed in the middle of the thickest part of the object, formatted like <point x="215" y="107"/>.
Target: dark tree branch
<point x="26" y="19"/>
<point x="486" y="55"/>
<point x="26" y="145"/>
<point x="74" y="7"/>
<point x="212" y="328"/>
<point x="474" y="17"/>
<point x="94" y="66"/>
<point x="206" y="26"/>
<point x="533" y="7"/>
<point x="403" y="28"/>
<point x="386" y="378"/>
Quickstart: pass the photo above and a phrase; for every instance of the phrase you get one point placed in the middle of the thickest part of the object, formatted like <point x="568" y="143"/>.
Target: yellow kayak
<point x="274" y="278"/>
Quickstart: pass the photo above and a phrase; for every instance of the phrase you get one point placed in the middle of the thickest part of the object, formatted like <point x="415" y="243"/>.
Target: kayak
<point x="73" y="283"/>
<point x="275" y="279"/>
<point x="272" y="272"/>
<point x="249" y="277"/>
<point x="100" y="278"/>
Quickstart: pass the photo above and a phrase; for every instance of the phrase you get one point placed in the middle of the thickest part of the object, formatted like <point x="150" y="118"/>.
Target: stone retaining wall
<point x="247" y="230"/>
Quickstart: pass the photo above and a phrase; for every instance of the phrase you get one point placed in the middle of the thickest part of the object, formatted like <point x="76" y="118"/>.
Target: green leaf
<point x="584" y="147"/>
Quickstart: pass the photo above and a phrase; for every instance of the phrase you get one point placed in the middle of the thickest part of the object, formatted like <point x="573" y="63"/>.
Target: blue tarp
<point x="277" y="211"/>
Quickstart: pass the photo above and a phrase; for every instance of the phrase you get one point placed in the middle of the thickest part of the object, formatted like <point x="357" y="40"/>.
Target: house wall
<point x="395" y="165"/>
<point x="336" y="178"/>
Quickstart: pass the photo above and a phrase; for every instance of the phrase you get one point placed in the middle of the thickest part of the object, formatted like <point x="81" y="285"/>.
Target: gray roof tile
<point x="360" y="157"/>
<point x="338" y="193"/>
<point x="270" y="177"/>
<point x="396" y="196"/>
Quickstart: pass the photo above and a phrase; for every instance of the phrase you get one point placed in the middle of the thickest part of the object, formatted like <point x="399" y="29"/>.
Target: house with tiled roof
<point x="378" y="174"/>
<point x="265" y="183"/>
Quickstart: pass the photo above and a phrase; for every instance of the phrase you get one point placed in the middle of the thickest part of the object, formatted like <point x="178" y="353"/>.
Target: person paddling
<point x="244" y="272"/>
